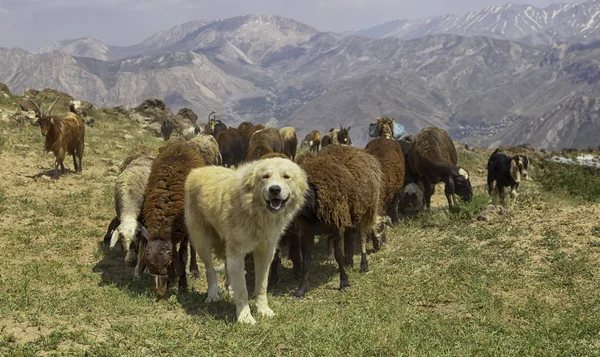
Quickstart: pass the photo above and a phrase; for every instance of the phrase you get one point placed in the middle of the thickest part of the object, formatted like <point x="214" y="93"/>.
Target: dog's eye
<point x="266" y="176"/>
<point x="287" y="177"/>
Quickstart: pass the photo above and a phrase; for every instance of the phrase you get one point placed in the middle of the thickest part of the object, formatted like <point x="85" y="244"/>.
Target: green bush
<point x="579" y="181"/>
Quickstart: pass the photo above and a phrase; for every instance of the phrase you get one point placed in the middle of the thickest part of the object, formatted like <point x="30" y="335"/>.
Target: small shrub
<point x="579" y="181"/>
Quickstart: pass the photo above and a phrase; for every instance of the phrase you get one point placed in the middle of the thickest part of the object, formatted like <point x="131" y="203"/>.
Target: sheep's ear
<point x="514" y="171"/>
<point x="463" y="173"/>
<point x="144" y="231"/>
<point x="114" y="238"/>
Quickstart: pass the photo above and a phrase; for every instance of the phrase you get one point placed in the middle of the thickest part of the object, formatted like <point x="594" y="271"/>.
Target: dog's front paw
<point x="246" y="317"/>
<point x="265" y="311"/>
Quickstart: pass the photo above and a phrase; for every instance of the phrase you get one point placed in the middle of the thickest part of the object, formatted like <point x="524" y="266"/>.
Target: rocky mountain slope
<point x="579" y="22"/>
<point x="277" y="71"/>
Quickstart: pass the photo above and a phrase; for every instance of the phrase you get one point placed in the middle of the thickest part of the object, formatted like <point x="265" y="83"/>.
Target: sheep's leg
<point x="393" y="210"/>
<point x="141" y="263"/>
<point x="235" y="270"/>
<point x="273" y="271"/>
<point x="295" y="257"/>
<point x="449" y="191"/>
<point x="193" y="263"/>
<point x="308" y="242"/>
<point x="348" y="240"/>
<point x="330" y="250"/>
<point x="262" y="260"/>
<point x="75" y="163"/>
<point x="364" y="265"/>
<point x="339" y="257"/>
<point x="428" y="192"/>
<point x="183" y="254"/>
<point x="501" y="193"/>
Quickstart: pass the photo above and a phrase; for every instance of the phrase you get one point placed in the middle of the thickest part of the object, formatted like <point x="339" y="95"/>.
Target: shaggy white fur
<point x="236" y="212"/>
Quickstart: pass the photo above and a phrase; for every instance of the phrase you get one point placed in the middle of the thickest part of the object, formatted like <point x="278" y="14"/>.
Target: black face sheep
<point x="290" y="141"/>
<point x="433" y="159"/>
<point x="233" y="145"/>
<point x="242" y="211"/>
<point x="389" y="154"/>
<point x="262" y="142"/>
<point x="342" y="201"/>
<point x="214" y="126"/>
<point x="166" y="129"/>
<point x="164" y="214"/>
<point x="506" y="172"/>
<point x="312" y="140"/>
<point x="64" y="134"/>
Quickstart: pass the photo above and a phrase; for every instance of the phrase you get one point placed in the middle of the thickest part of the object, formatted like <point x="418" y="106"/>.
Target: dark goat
<point x="506" y="172"/>
<point x="64" y="134"/>
<point x="214" y="126"/>
<point x="166" y="128"/>
<point x="233" y="144"/>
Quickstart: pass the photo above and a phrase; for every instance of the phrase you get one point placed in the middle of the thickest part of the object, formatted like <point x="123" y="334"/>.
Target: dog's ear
<point x="249" y="181"/>
<point x="515" y="173"/>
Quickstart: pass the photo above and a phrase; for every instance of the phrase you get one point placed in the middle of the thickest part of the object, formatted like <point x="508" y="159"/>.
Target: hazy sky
<point x="30" y="24"/>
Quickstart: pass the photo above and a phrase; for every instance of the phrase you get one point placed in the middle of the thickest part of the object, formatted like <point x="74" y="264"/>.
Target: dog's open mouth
<point x="275" y="204"/>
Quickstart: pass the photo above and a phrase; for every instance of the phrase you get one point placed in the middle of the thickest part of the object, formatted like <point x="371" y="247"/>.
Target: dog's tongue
<point x="276" y="204"/>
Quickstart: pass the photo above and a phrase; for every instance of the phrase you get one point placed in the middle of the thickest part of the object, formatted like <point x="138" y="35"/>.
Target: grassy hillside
<point x="485" y="281"/>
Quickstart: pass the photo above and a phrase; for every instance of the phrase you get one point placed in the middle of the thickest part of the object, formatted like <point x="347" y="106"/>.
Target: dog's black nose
<point x="274" y="190"/>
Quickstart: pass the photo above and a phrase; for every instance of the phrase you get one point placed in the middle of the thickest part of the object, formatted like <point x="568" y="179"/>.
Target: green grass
<point x="573" y="180"/>
<point x="445" y="284"/>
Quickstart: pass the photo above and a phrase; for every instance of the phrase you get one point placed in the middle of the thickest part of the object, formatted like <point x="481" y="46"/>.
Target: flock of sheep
<point x="239" y="191"/>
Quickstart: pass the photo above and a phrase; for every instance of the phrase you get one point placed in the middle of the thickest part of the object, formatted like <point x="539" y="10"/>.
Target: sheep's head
<point x="344" y="136"/>
<point x="45" y="119"/>
<point x="379" y="230"/>
<point x="413" y="198"/>
<point x="462" y="185"/>
<point x="163" y="263"/>
<point x="128" y="234"/>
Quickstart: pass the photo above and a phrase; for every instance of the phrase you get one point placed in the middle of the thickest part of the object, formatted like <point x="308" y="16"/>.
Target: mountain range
<point x="274" y="70"/>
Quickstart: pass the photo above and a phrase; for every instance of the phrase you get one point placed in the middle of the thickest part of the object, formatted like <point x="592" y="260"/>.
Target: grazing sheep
<point x="208" y="147"/>
<point x="274" y="154"/>
<point x="412" y="198"/>
<point x="339" y="136"/>
<point x="233" y="145"/>
<point x="390" y="156"/>
<point x="64" y="134"/>
<point x="166" y="128"/>
<point x="130" y="189"/>
<point x="262" y="142"/>
<point x="340" y="202"/>
<point x="312" y="140"/>
<point x="237" y="212"/>
<point x="433" y="159"/>
<point x="163" y="214"/>
<point x="290" y="141"/>
<point x="506" y="171"/>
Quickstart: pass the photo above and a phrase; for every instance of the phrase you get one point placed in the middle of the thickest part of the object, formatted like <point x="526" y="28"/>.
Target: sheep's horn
<point x="35" y="105"/>
<point x="52" y="106"/>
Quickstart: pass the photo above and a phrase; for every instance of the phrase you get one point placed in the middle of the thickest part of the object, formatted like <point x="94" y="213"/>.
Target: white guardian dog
<point x="236" y="212"/>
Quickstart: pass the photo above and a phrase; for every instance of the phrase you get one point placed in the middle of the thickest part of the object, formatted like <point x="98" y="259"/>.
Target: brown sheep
<point x="340" y="202"/>
<point x="262" y="142"/>
<point x="274" y="154"/>
<point x="233" y="145"/>
<point x="390" y="156"/>
<point x="312" y="140"/>
<point x="433" y="159"/>
<point x="64" y="134"/>
<point x="208" y="147"/>
<point x="163" y="214"/>
<point x="339" y="136"/>
<point x="290" y="141"/>
<point x="249" y="128"/>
